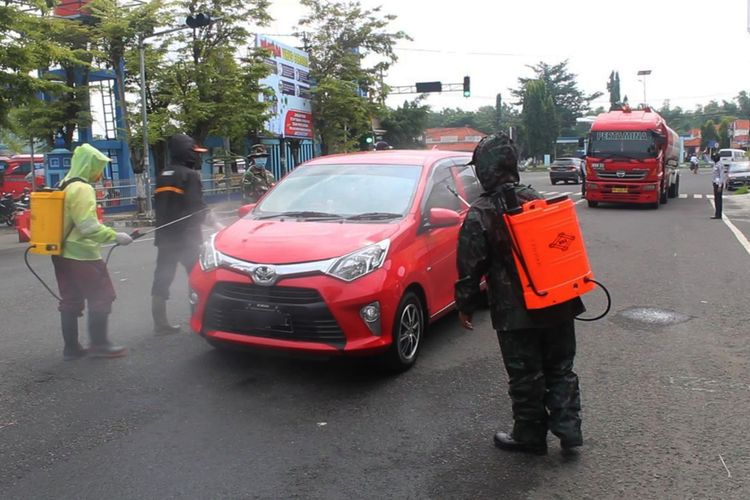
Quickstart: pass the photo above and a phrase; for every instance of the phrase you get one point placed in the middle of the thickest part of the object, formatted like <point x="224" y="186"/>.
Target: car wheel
<point x="407" y="334"/>
<point x="593" y="204"/>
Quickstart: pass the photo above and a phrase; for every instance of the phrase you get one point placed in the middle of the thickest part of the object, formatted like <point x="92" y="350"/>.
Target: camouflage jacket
<point x="484" y="250"/>
<point x="256" y="182"/>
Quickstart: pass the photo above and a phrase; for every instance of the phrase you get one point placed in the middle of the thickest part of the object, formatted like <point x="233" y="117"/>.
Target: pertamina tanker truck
<point x="631" y="158"/>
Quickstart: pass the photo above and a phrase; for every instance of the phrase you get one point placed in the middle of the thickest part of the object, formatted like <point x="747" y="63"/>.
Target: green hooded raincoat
<point x="85" y="232"/>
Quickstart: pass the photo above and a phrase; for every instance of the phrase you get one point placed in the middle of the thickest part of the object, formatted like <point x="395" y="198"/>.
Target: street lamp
<point x="143" y="180"/>
<point x="644" y="73"/>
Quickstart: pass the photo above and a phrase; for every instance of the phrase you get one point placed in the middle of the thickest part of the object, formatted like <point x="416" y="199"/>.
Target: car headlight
<point x="210" y="258"/>
<point x="359" y="263"/>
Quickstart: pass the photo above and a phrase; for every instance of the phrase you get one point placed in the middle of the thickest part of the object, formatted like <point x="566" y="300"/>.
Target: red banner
<point x="298" y="124"/>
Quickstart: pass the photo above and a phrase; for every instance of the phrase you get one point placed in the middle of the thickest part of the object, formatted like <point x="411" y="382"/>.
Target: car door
<point x="441" y="242"/>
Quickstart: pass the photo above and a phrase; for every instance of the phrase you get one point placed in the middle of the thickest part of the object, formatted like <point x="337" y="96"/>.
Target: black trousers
<point x="167" y="258"/>
<point x="718" y="202"/>
<point x="543" y="387"/>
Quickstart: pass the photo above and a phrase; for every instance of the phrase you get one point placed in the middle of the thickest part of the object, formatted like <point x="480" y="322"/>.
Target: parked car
<point x="349" y="254"/>
<point x="566" y="170"/>
<point x="739" y="175"/>
<point x="729" y="157"/>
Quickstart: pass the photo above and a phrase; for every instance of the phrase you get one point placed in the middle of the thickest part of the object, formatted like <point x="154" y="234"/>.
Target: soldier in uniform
<point x="257" y="179"/>
<point x="538" y="346"/>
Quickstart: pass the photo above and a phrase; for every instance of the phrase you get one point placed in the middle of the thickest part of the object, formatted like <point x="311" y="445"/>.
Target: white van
<point x="730" y="157"/>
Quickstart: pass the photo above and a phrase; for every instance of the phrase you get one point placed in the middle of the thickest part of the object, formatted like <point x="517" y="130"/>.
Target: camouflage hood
<point x="495" y="160"/>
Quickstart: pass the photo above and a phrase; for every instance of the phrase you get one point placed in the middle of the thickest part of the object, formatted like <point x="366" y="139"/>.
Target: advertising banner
<point x="290" y="82"/>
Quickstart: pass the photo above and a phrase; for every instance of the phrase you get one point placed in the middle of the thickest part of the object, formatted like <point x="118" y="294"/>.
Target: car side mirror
<point x="245" y="209"/>
<point x="443" y="217"/>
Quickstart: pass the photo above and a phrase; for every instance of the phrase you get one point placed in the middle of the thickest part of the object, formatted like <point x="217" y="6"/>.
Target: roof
<point x="388" y="157"/>
<point x="459" y="131"/>
<point x="636" y="119"/>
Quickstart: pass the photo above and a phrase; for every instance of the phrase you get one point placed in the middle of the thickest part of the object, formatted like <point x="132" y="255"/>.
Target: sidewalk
<point x="226" y="212"/>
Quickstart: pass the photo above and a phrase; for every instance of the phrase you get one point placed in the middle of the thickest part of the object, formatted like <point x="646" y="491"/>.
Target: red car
<point x="350" y="254"/>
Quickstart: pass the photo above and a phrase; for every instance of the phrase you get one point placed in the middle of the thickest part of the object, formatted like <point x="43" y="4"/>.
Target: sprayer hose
<point x="26" y="259"/>
<point x="609" y="303"/>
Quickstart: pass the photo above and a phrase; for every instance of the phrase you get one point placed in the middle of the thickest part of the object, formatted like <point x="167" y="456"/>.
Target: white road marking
<point x="710" y="196"/>
<point x="697" y="196"/>
<point x="737" y="233"/>
<point x="683" y="196"/>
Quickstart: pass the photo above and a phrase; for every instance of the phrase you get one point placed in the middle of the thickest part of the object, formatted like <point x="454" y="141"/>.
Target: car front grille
<point x="307" y="317"/>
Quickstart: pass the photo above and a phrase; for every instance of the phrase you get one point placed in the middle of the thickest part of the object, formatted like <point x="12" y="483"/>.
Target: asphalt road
<point x="665" y="405"/>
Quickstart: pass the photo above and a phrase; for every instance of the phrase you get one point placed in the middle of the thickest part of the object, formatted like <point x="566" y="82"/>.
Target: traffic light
<point x="467" y="86"/>
<point x="198" y="20"/>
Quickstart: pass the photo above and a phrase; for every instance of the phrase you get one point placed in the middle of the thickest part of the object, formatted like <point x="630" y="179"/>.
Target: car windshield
<point x="344" y="191"/>
<point x="624" y="143"/>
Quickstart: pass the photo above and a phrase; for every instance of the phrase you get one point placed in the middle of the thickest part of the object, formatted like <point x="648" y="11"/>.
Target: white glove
<point x="123" y="239"/>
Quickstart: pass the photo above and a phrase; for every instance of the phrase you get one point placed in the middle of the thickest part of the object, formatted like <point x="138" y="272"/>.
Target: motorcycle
<point x="8" y="209"/>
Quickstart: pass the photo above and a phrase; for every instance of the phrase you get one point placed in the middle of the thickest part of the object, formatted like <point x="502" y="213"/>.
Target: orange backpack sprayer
<point x="548" y="250"/>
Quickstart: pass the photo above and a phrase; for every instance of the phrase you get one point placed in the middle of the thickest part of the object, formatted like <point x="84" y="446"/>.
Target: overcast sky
<point x="696" y="50"/>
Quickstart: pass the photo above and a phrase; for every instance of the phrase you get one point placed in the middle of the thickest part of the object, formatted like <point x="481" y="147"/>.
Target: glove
<point x="123" y="239"/>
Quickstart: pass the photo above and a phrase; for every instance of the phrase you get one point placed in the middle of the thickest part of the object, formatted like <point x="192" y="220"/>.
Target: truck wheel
<point x="674" y="189"/>
<point x="593" y="204"/>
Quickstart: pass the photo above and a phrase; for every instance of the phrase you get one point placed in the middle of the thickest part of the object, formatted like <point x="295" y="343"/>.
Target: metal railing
<point x="121" y="194"/>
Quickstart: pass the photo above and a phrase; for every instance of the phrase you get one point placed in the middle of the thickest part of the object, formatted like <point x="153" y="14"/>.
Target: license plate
<point x="619" y="190"/>
<point x="264" y="319"/>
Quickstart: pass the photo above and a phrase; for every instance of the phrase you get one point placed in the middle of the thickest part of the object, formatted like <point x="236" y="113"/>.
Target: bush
<point x="742" y="190"/>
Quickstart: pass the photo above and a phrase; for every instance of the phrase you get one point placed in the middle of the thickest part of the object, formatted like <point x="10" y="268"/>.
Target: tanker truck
<point x="632" y="157"/>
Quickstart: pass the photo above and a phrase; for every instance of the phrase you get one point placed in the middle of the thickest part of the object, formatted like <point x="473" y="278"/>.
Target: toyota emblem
<point x="620" y="174"/>
<point x="264" y="275"/>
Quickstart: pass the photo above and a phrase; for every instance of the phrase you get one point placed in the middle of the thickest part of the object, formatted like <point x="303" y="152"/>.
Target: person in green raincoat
<point x="82" y="275"/>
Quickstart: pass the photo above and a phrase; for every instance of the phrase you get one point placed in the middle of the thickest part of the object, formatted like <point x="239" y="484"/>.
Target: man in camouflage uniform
<point x="538" y="346"/>
<point x="257" y="180"/>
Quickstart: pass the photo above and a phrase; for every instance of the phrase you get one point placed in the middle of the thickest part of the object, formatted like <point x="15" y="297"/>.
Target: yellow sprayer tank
<point x="47" y="222"/>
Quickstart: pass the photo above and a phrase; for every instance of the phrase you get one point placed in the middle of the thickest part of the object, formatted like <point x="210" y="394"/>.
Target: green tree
<point x="342" y="39"/>
<point x="724" y="139"/>
<point x="451" y="117"/>
<point x="405" y="125"/>
<point x="539" y="118"/>
<point x="743" y="102"/>
<point x="708" y="133"/>
<point x="613" y="87"/>
<point x="569" y="101"/>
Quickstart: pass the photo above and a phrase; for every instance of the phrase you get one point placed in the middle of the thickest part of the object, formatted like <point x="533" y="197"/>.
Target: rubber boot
<point x="159" y="313"/>
<point x="72" y="350"/>
<point x="100" y="346"/>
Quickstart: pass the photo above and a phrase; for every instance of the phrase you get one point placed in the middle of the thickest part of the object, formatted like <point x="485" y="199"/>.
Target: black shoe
<point x="100" y="346"/>
<point x="71" y="354"/>
<point x="73" y="350"/>
<point x="505" y="441"/>
<point x="569" y="444"/>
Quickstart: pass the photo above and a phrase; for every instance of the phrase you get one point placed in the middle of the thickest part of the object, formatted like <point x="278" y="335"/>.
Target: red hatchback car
<point x="349" y="254"/>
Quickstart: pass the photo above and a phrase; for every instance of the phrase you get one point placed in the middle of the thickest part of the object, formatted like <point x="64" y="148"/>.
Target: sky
<point x="696" y="50"/>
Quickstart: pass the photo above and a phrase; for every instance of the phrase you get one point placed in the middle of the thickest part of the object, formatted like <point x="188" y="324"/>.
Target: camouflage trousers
<point x="543" y="387"/>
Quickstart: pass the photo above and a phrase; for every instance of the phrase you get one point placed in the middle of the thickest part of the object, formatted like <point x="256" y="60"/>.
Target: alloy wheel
<point x="409" y="331"/>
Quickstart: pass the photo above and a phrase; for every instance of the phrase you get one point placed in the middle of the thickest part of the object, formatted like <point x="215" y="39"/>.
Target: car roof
<point x="389" y="157"/>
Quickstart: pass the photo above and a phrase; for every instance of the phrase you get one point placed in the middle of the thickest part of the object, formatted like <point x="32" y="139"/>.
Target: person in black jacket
<point x="538" y="346"/>
<point x="178" y="194"/>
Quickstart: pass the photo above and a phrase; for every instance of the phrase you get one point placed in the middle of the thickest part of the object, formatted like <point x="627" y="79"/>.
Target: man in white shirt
<point x="719" y="180"/>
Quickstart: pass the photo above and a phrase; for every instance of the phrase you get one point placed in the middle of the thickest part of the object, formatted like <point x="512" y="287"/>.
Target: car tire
<point x="407" y="334"/>
<point x="593" y="204"/>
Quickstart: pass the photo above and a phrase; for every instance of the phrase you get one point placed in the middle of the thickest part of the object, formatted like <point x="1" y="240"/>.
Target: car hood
<point x="745" y="173"/>
<point x="289" y="241"/>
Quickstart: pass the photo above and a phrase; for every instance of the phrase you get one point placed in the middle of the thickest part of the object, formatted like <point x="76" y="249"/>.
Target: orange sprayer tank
<point x="554" y="267"/>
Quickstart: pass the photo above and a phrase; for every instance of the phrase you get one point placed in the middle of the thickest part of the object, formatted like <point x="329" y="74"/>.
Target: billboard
<point x="290" y="82"/>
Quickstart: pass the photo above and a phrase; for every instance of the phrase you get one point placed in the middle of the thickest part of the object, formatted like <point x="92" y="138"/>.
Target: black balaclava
<point x="495" y="161"/>
<point x="182" y="151"/>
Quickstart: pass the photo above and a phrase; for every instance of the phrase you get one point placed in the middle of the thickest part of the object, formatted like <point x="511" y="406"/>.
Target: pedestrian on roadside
<point x="538" y="346"/>
<point x="178" y="195"/>
<point x="257" y="180"/>
<point x="694" y="164"/>
<point x="82" y="276"/>
<point x="719" y="182"/>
